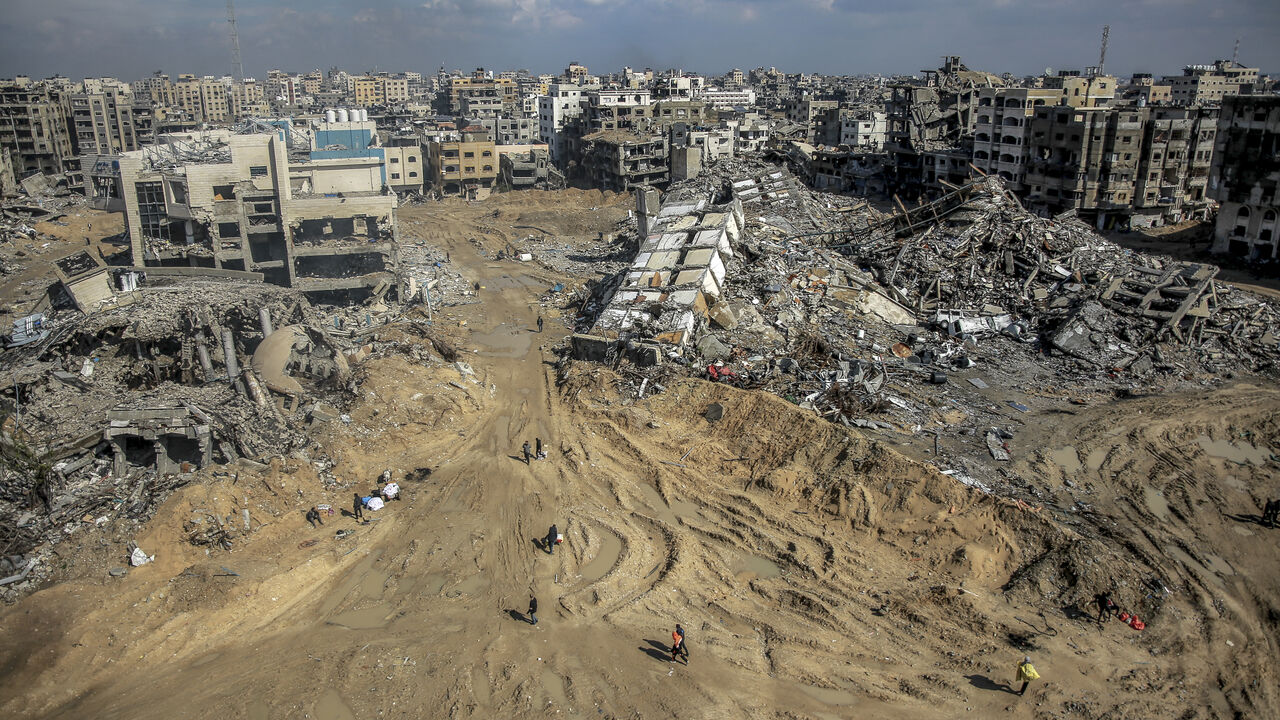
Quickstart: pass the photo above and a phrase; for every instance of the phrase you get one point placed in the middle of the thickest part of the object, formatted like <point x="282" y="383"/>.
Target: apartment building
<point x="561" y="104"/>
<point x="480" y="85"/>
<point x="406" y="164"/>
<point x="103" y="122"/>
<point x="1001" y="133"/>
<point x="724" y="99"/>
<point x="862" y="128"/>
<point x="35" y="126"/>
<point x="466" y="167"/>
<point x="1245" y="177"/>
<point x="1209" y="84"/>
<point x="620" y="160"/>
<point x="251" y="203"/>
<point x="813" y="115"/>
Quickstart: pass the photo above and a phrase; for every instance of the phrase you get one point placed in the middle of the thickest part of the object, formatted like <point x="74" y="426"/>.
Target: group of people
<point x="535" y="453"/>
<point x="375" y="500"/>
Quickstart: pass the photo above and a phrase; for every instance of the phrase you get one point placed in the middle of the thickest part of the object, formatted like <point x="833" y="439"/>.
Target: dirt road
<point x="819" y="574"/>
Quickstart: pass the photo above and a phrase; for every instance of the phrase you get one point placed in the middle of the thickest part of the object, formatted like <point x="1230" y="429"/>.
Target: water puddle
<point x="1066" y="458"/>
<point x="1155" y="502"/>
<point x="1240" y="453"/>
<point x="554" y="685"/>
<point x="331" y="707"/>
<point x="829" y="696"/>
<point x="354" y="578"/>
<point x="756" y="565"/>
<point x="1195" y="566"/>
<point x="367" y="619"/>
<point x="504" y="341"/>
<point x="685" y="510"/>
<point x="1242" y="531"/>
<point x="1218" y="565"/>
<point x="604" y="561"/>
<point x="1096" y="457"/>
<point x="671" y="514"/>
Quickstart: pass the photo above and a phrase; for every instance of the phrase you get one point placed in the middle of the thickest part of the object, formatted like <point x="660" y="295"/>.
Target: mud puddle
<point x="331" y="707"/>
<point x="603" y="562"/>
<point x="1240" y="453"/>
<point x="1066" y="458"/>
<point x="756" y="565"/>
<point x="367" y="619"/>
<point x="359" y="576"/>
<point x="504" y="341"/>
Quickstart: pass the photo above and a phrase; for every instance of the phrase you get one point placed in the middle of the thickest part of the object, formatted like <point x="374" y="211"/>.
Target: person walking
<point x="527" y="452"/>
<point x="552" y="534"/>
<point x="539" y="323"/>
<point x="533" y="610"/>
<point x="313" y="516"/>
<point x="1026" y="673"/>
<point x="357" y="506"/>
<point x="679" y="644"/>
<point x="537" y="453"/>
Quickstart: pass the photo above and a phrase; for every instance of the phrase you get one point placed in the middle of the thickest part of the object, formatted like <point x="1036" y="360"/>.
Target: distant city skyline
<point x="131" y="39"/>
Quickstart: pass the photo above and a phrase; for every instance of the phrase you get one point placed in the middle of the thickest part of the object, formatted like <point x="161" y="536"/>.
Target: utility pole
<point x="237" y="67"/>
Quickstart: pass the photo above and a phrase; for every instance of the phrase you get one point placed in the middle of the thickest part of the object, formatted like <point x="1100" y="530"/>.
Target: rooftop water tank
<point x="342" y="114"/>
<point x="330" y="116"/>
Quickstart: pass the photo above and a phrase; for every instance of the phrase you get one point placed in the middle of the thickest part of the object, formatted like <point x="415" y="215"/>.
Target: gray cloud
<point x="131" y="38"/>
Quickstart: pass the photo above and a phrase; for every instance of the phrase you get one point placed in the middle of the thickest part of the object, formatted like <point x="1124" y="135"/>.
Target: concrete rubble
<point x="871" y="318"/>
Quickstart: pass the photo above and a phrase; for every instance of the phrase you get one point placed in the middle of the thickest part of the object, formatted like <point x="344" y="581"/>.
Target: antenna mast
<point x="1102" y="56"/>
<point x="237" y="67"/>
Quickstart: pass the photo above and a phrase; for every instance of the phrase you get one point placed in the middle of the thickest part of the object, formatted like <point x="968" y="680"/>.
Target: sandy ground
<point x="820" y="574"/>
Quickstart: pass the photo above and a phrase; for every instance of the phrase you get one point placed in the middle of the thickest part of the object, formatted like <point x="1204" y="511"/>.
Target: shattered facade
<point x="244" y="203"/>
<point x="1245" y="177"/>
<point x="620" y="160"/>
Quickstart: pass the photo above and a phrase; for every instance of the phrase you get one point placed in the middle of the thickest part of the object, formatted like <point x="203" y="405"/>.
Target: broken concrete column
<point x="229" y="357"/>
<point x="264" y="319"/>
<point x="205" y="363"/>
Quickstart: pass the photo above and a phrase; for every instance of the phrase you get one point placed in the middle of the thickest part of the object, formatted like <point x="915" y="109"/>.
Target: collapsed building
<point x="320" y="219"/>
<point x="875" y="320"/>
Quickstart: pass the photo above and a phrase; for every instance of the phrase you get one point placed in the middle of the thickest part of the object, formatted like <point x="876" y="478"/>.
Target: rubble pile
<point x="892" y="321"/>
<point x="107" y="410"/>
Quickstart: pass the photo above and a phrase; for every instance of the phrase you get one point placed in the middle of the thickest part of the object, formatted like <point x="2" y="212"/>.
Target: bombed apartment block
<point x="1245" y="175"/>
<point x="521" y="167"/>
<point x="309" y="213"/>
<point x="678" y="272"/>
<point x="620" y="160"/>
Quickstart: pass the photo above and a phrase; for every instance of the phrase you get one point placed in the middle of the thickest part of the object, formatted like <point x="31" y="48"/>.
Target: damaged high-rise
<point x="319" y="218"/>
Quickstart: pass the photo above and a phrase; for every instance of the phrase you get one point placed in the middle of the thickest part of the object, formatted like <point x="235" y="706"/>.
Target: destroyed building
<point x="526" y="166"/>
<point x="620" y="160"/>
<point x="320" y="220"/>
<point x="1245" y="177"/>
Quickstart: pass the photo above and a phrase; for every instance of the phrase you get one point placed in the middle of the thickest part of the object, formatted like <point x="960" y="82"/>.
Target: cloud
<point x="77" y="38"/>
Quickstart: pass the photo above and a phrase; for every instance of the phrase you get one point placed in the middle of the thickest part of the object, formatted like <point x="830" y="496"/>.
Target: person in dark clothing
<point x="552" y="534"/>
<point x="680" y="644"/>
<point x="533" y="610"/>
<point x="537" y="452"/>
<point x="313" y="516"/>
<point x="1271" y="513"/>
<point x="1106" y="606"/>
<point x="527" y="452"/>
<point x="677" y="645"/>
<point x="357" y="507"/>
<point x="539" y="323"/>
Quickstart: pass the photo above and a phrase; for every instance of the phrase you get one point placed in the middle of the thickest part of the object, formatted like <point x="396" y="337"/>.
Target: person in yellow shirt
<point x="1026" y="673"/>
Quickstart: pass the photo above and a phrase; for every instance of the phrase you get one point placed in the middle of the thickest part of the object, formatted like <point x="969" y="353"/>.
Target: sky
<point x="131" y="39"/>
